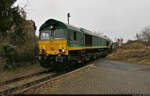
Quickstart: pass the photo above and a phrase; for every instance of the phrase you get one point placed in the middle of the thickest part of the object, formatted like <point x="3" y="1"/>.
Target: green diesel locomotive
<point x="61" y="44"/>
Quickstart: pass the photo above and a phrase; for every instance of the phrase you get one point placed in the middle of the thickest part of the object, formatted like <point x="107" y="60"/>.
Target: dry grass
<point x="7" y="75"/>
<point x="133" y="53"/>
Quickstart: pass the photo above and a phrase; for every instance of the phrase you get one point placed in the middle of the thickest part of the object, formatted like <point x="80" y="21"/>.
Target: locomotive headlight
<point x="63" y="50"/>
<point x="42" y="51"/>
<point x="51" y="27"/>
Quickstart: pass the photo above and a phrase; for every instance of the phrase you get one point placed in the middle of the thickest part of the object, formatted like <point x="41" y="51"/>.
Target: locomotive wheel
<point x="48" y="64"/>
<point x="104" y="55"/>
<point x="43" y="64"/>
<point x="83" y="63"/>
<point x="62" y="67"/>
<point x="58" y="66"/>
<point x="73" y="64"/>
<point x="95" y="57"/>
<point x="67" y="67"/>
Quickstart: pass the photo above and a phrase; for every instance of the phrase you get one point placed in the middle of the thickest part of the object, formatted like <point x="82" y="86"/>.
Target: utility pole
<point x="68" y="16"/>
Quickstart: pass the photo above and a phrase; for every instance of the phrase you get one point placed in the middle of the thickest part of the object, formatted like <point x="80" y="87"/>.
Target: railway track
<point x="20" y="83"/>
<point x="20" y="78"/>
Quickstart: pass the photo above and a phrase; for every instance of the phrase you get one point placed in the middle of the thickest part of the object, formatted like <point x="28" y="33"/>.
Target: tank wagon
<point x="64" y="45"/>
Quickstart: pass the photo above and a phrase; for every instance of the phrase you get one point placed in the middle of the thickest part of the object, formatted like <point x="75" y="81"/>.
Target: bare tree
<point x="144" y="36"/>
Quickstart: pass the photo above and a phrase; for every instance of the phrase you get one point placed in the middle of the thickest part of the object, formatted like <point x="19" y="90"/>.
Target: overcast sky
<point x="115" y="18"/>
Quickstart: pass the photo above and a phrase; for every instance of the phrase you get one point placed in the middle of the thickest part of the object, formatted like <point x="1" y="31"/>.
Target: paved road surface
<point x="105" y="76"/>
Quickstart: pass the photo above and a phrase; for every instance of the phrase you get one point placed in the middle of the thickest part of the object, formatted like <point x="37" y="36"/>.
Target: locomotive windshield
<point x="45" y="35"/>
<point x="58" y="34"/>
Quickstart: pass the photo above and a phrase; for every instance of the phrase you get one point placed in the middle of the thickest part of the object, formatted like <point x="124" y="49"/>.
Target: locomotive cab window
<point x="45" y="35"/>
<point x="73" y="36"/>
<point x="59" y="34"/>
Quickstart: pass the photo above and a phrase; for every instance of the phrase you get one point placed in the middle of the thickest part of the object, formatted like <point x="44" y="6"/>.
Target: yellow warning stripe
<point x="83" y="48"/>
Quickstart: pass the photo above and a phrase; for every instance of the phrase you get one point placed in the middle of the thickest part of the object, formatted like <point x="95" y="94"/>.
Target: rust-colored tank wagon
<point x="62" y="45"/>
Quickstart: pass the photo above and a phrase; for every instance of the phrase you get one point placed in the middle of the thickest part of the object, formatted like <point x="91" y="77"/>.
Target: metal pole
<point x="68" y="16"/>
